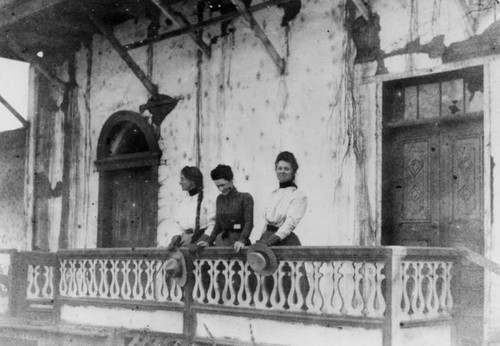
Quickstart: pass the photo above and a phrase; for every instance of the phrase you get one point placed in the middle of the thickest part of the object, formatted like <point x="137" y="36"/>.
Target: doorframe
<point x="486" y="63"/>
<point x="105" y="165"/>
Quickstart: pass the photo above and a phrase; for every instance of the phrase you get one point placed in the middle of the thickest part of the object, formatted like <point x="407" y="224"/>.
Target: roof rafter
<point x="181" y="21"/>
<point x="24" y="10"/>
<point x="259" y="32"/>
<point x="363" y="9"/>
<point x="20" y="52"/>
<point x="108" y="34"/>
<point x="13" y="111"/>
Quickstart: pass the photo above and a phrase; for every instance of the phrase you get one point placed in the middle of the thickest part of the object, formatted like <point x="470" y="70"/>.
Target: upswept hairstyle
<point x="222" y="172"/>
<point x="287" y="157"/>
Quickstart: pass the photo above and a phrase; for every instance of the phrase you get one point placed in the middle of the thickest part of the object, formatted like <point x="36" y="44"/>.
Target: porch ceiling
<point x="57" y="27"/>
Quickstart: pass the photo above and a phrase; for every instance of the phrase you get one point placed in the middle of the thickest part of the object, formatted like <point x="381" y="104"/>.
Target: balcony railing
<point x="380" y="288"/>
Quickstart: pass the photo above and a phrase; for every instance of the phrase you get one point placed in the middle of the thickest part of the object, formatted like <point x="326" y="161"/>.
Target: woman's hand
<point x="202" y="244"/>
<point x="238" y="246"/>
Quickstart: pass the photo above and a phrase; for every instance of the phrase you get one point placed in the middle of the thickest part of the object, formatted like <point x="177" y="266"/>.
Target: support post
<point x="108" y="34"/>
<point x="259" y="32"/>
<point x="181" y="21"/>
<point x="394" y="290"/>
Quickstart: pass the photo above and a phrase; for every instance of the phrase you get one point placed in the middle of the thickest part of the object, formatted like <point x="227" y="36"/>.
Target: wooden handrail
<point x="479" y="259"/>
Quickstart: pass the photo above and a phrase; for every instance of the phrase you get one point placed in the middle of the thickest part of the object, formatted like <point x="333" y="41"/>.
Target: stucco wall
<point x="246" y="114"/>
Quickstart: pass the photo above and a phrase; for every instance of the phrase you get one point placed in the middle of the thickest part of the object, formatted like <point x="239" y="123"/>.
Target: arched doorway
<point x="127" y="160"/>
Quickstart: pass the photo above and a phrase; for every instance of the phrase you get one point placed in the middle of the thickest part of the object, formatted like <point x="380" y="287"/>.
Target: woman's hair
<point x="222" y="172"/>
<point x="193" y="174"/>
<point x="287" y="157"/>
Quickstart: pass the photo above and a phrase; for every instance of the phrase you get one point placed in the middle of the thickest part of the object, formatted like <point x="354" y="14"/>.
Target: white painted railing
<point x="348" y="288"/>
<point x="426" y="290"/>
<point x="127" y="277"/>
<point x="40" y="282"/>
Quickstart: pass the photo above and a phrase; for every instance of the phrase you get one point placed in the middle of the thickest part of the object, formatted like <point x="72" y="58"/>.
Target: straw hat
<point x="262" y="259"/>
<point x="175" y="268"/>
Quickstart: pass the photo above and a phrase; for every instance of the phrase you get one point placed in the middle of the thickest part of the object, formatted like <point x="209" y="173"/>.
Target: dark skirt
<point x="229" y="240"/>
<point x="291" y="240"/>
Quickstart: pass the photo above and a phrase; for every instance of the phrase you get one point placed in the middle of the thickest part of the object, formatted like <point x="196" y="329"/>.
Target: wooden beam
<point x="108" y="34"/>
<point x="259" y="32"/>
<point x="194" y="27"/>
<point x="36" y="64"/>
<point x="181" y="21"/>
<point x="13" y="111"/>
<point x="22" y="9"/>
<point x="363" y="9"/>
<point x="479" y="260"/>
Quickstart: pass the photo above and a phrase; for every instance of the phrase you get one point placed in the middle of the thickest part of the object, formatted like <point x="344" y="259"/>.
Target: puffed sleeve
<point x="247" y="217"/>
<point x="294" y="214"/>
<point x="217" y="227"/>
<point x="210" y="213"/>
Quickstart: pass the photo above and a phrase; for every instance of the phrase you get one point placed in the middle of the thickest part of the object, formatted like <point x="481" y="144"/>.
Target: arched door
<point x="127" y="161"/>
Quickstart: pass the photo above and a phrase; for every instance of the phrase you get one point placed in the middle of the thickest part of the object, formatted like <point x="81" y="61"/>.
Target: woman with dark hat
<point x="286" y="206"/>
<point x="234" y="212"/>
<point x="194" y="214"/>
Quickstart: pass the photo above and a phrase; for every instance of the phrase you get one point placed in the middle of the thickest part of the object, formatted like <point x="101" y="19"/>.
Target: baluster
<point x="357" y="299"/>
<point x="63" y="285"/>
<point x="336" y="302"/>
<point x="346" y="285"/>
<point x="83" y="287"/>
<point x="406" y="275"/>
<point x="231" y="282"/>
<point x="369" y="289"/>
<point x="103" y="285"/>
<point x="227" y="282"/>
<point x="30" y="286"/>
<point x="433" y="305"/>
<point x="93" y="288"/>
<point x="72" y="286"/>
<point x="150" y="272"/>
<point x="126" y="288"/>
<point x="323" y="286"/>
<point x="295" y="298"/>
<point x="213" y="288"/>
<point x="380" y="296"/>
<point x="198" y="291"/>
<point x="278" y="299"/>
<point x="161" y="289"/>
<point x="244" y="291"/>
<point x="48" y="289"/>
<point x="418" y="301"/>
<point x="448" y="277"/>
<point x="137" y="287"/>
<point x="260" y="296"/>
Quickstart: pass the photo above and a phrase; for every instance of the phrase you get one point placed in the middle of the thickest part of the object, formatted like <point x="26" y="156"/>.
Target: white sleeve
<point x="210" y="213"/>
<point x="294" y="214"/>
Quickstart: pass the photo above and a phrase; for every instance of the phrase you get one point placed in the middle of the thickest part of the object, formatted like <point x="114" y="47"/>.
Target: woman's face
<point x="284" y="172"/>
<point x="224" y="186"/>
<point x="186" y="184"/>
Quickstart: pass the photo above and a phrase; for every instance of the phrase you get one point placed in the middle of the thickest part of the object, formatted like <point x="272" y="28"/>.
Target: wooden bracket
<point x="363" y="9"/>
<point x="36" y="64"/>
<point x="108" y="34"/>
<point x="13" y="111"/>
<point x="259" y="32"/>
<point x="182" y="21"/>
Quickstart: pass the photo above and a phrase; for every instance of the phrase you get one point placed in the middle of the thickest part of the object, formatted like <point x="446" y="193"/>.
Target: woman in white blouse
<point x="286" y="205"/>
<point x="194" y="215"/>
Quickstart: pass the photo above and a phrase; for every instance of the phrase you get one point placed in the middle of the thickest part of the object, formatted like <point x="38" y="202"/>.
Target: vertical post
<point x="394" y="290"/>
<point x="189" y="317"/>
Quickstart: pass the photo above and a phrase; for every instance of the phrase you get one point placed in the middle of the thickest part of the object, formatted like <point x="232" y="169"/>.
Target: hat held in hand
<point x="175" y="268"/>
<point x="262" y="259"/>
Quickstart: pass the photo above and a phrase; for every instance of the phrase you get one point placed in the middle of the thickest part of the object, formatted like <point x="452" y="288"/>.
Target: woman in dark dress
<point x="233" y="212"/>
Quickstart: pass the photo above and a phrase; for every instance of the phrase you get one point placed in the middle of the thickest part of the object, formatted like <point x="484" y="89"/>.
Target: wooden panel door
<point x="433" y="196"/>
<point x="130" y="215"/>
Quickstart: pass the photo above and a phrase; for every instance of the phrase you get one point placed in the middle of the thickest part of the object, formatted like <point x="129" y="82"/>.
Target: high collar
<point x="287" y="184"/>
<point x="231" y="193"/>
